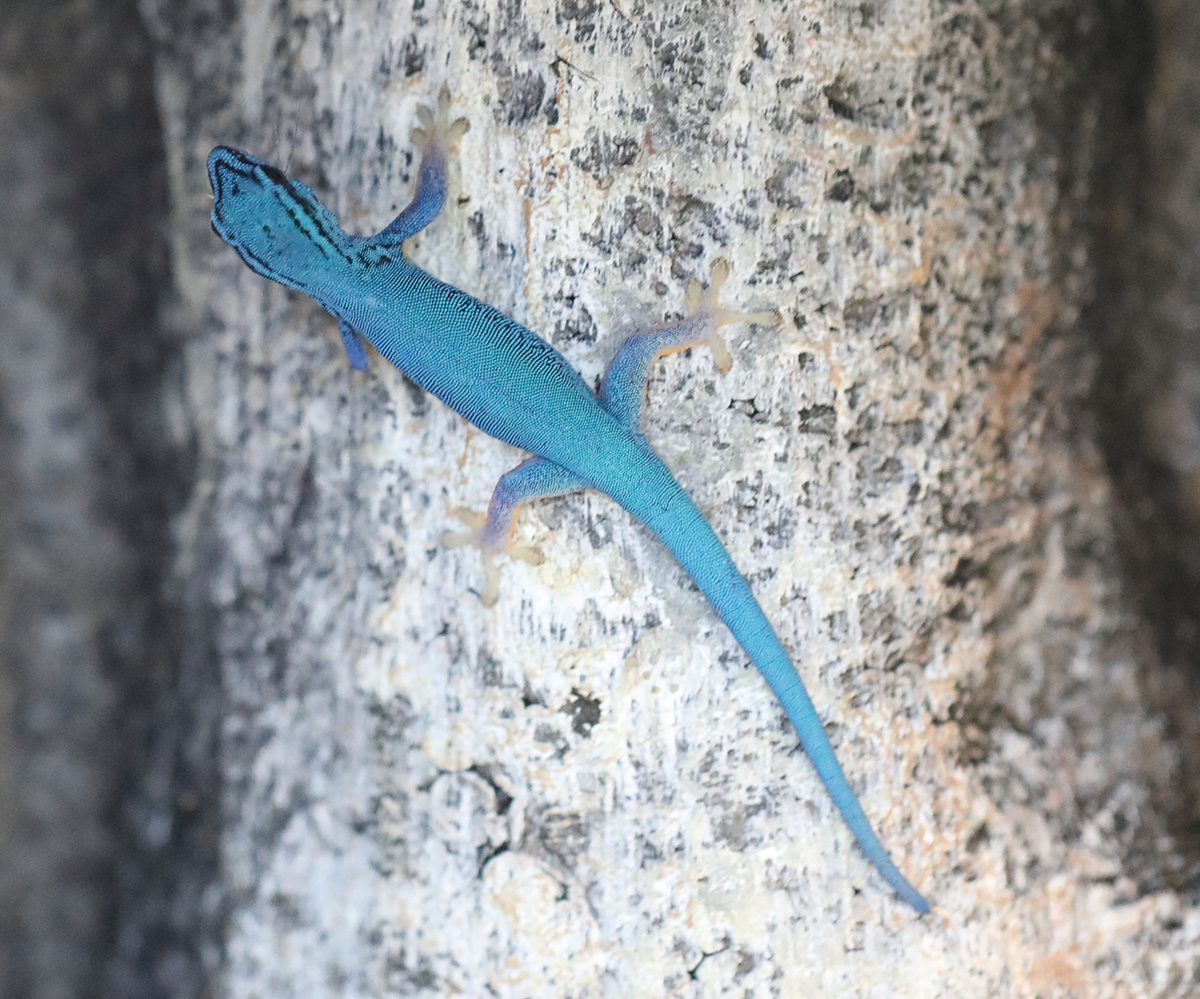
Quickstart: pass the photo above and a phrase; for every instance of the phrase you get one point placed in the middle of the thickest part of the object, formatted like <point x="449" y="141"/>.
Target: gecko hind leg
<point x="435" y="138"/>
<point x="534" y="478"/>
<point x="623" y="391"/>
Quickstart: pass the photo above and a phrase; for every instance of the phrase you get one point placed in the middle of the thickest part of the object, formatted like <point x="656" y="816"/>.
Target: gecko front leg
<point x="435" y="138"/>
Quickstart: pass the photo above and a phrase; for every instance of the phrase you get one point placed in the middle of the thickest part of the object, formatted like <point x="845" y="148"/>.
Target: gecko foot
<point x="437" y="133"/>
<point x="479" y="536"/>
<point x="705" y="305"/>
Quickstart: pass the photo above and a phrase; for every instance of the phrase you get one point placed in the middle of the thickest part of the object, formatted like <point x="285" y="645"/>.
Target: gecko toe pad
<point x="436" y="129"/>
<point x="706" y="305"/>
<point x="477" y="535"/>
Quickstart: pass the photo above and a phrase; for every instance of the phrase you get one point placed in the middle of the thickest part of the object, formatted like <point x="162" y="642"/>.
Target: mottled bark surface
<point x="586" y="791"/>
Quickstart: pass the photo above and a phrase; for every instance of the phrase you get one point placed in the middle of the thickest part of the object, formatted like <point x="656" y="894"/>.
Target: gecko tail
<point x="681" y="526"/>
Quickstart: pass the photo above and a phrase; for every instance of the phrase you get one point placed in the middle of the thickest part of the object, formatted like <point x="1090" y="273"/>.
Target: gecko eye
<point x="236" y="189"/>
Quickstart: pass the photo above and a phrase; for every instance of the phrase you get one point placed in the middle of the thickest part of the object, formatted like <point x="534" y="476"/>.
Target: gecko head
<point x="276" y="224"/>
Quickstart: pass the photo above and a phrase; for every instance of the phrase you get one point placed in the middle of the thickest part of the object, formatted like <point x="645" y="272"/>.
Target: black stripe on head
<point x="277" y="176"/>
<point x="294" y="214"/>
<point x="313" y="212"/>
<point x="293" y="198"/>
<point x="284" y="182"/>
<point x="310" y="209"/>
<point x="226" y="158"/>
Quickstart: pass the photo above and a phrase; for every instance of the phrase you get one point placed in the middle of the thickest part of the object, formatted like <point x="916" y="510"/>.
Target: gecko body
<point x="514" y="386"/>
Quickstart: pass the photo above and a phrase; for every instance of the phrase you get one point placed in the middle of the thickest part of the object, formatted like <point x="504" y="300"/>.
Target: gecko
<point x="514" y="386"/>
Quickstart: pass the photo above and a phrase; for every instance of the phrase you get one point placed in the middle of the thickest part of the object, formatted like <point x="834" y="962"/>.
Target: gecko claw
<point x="478" y="536"/>
<point x="701" y="302"/>
<point x="436" y="131"/>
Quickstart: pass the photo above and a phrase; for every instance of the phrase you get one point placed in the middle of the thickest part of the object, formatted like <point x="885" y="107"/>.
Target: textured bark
<point x="586" y="791"/>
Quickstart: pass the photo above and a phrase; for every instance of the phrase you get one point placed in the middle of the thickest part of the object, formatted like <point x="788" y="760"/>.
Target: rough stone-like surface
<point x="586" y="791"/>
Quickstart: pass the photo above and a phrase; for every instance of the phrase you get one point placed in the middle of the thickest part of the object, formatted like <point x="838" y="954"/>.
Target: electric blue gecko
<point x="514" y="386"/>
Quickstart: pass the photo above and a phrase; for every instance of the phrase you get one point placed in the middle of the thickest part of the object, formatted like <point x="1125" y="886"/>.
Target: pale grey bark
<point x="585" y="791"/>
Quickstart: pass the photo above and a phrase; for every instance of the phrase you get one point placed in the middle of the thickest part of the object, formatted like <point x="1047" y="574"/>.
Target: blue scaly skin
<point x="514" y="386"/>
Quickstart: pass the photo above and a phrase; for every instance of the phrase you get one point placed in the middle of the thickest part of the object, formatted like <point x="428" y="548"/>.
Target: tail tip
<point x="914" y="898"/>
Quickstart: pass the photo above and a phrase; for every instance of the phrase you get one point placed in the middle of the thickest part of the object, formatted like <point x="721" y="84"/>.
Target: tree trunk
<point x="107" y="757"/>
<point x="586" y="790"/>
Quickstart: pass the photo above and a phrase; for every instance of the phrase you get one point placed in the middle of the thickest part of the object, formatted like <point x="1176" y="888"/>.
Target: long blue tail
<point x="670" y="513"/>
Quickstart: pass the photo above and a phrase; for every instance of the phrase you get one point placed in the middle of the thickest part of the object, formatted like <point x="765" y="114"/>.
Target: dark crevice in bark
<point x="108" y="748"/>
<point x="1146" y="398"/>
<point x="1093" y="65"/>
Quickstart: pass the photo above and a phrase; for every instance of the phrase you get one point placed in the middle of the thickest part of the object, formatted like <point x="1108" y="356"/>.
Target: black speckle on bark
<point x="602" y="153"/>
<point x="818" y="419"/>
<point x="584" y="712"/>
<point x="783" y="186"/>
<point x="522" y="98"/>
<point x="841" y="97"/>
<point x="842" y="189"/>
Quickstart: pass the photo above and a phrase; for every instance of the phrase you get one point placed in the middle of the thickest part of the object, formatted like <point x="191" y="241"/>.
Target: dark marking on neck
<point x="293" y="213"/>
<point x="306" y="207"/>
<point x="375" y="256"/>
